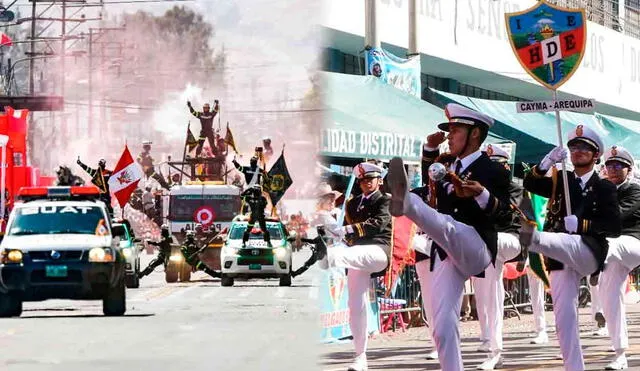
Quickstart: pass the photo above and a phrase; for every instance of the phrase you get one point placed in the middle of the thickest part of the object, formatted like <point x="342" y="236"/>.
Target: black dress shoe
<point x="398" y="184"/>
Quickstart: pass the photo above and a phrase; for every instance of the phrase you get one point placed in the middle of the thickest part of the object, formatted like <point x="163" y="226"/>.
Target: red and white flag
<point x="5" y="40"/>
<point x="20" y="114"/>
<point x="125" y="177"/>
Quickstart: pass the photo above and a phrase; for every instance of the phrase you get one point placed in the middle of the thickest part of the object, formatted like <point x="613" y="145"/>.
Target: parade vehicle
<point x="256" y="259"/>
<point x="131" y="249"/>
<point x="60" y="243"/>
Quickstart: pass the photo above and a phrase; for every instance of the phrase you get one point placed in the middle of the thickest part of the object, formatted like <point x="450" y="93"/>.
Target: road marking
<point x="179" y="293"/>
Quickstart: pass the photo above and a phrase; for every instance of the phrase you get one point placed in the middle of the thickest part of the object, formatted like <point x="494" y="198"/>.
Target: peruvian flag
<point x="125" y="177"/>
<point x="5" y="40"/>
<point x="402" y="253"/>
<point x="19" y="114"/>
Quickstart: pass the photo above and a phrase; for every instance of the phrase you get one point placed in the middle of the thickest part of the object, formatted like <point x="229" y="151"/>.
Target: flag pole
<point x="219" y="114"/>
<point x="564" y="168"/>
<point x="184" y="153"/>
<point x="226" y="173"/>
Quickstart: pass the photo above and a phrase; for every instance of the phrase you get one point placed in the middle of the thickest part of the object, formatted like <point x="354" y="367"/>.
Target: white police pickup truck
<point x="60" y="244"/>
<point x="256" y="259"/>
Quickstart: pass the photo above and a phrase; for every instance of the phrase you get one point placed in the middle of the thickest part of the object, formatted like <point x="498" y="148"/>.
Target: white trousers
<point x="596" y="300"/>
<point x="424" y="275"/>
<point x="467" y="255"/>
<point x="578" y="262"/>
<point x="464" y="247"/>
<point x="444" y="289"/>
<point x="623" y="256"/>
<point x="361" y="261"/>
<point x="536" y="291"/>
<point x="489" y="292"/>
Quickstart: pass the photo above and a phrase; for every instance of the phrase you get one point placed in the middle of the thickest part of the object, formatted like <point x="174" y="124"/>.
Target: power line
<point x="121" y="2"/>
<point x="226" y="111"/>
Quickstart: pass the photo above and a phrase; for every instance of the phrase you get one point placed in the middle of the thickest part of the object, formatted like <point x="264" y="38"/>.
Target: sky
<point x="271" y="48"/>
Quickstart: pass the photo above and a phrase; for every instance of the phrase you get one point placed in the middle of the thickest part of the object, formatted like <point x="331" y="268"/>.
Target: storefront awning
<point x="367" y="118"/>
<point x="536" y="133"/>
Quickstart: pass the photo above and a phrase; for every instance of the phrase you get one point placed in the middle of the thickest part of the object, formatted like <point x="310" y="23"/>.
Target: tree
<point x="141" y="64"/>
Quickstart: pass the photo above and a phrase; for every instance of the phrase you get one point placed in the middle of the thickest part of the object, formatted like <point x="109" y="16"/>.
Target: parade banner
<point x="574" y="105"/>
<point x="371" y="144"/>
<point x="402" y="73"/>
<point x="549" y="42"/>
<point x="334" y="311"/>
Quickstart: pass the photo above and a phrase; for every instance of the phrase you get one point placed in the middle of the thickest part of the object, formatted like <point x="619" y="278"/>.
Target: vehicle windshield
<point x="184" y="207"/>
<point x="125" y="241"/>
<point x="57" y="219"/>
<point x="238" y="230"/>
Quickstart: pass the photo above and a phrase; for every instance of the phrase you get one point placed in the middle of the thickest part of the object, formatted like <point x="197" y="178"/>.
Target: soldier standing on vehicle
<point x="144" y="158"/>
<point x="100" y="178"/>
<point x="163" y="255"/>
<point x="257" y="203"/>
<point x="253" y="174"/>
<point x="206" y="121"/>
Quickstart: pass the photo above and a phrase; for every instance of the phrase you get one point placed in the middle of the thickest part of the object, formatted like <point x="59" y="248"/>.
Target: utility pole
<point x="90" y="125"/>
<point x="63" y="52"/>
<point x="94" y="36"/>
<point x="33" y="46"/>
<point x="103" y="85"/>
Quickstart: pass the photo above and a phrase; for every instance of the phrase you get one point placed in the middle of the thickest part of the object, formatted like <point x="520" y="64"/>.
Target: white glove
<point x="571" y="223"/>
<point x="556" y="155"/>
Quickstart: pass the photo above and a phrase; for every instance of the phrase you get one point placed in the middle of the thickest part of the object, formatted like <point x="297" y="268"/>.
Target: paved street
<point x="255" y="325"/>
<point x="407" y="351"/>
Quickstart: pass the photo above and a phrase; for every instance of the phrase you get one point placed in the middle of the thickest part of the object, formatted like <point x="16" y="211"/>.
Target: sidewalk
<point x="407" y="350"/>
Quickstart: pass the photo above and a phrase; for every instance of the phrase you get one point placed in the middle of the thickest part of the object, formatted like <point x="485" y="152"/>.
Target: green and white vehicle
<point x="256" y="259"/>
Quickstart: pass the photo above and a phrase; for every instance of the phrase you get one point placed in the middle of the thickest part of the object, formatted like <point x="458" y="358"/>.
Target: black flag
<point x="278" y="180"/>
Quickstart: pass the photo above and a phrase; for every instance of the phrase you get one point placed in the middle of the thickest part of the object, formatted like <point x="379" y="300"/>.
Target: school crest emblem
<point x="549" y="41"/>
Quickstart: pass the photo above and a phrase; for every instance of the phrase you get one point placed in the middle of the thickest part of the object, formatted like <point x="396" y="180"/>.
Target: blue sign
<point x="334" y="311"/>
<point x="402" y="73"/>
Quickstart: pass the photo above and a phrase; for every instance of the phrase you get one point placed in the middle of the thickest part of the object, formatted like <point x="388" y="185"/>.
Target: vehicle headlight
<point x="127" y="252"/>
<point x="176" y="258"/>
<point x="13" y="256"/>
<point x="101" y="255"/>
<point x="280" y="252"/>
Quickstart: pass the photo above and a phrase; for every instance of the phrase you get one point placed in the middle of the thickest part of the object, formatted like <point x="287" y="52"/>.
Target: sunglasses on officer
<point x="615" y="166"/>
<point x="581" y="147"/>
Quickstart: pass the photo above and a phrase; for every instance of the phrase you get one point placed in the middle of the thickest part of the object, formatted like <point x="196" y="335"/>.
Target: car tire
<point x="10" y="305"/>
<point x="185" y="272"/>
<point x="132" y="281"/>
<point x="115" y="302"/>
<point x="171" y="274"/>
<point x="226" y="281"/>
<point x="285" y="280"/>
